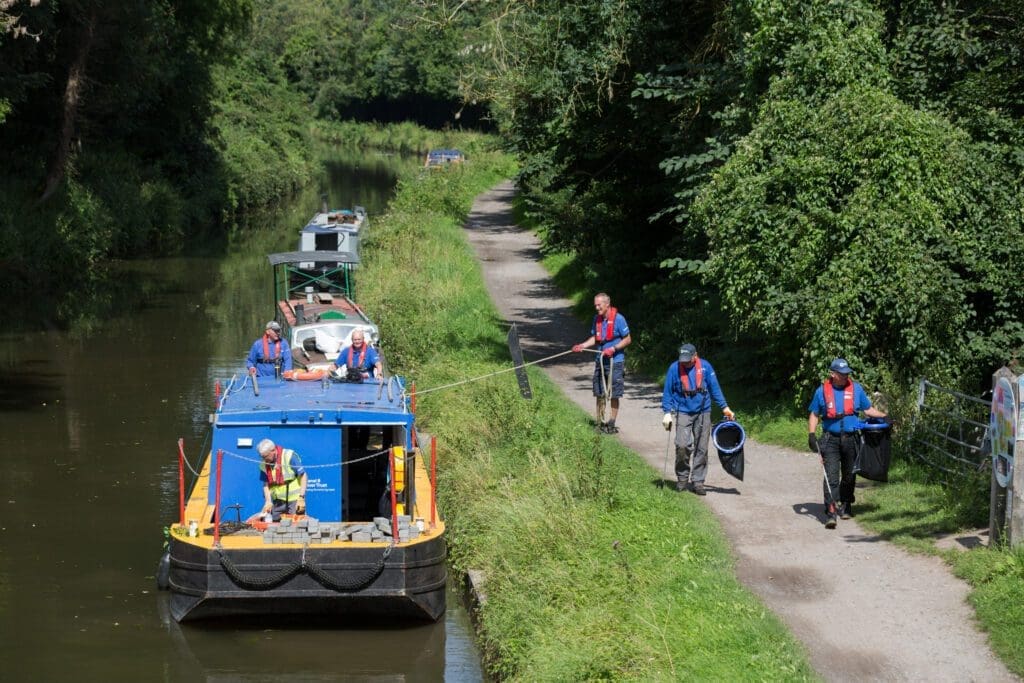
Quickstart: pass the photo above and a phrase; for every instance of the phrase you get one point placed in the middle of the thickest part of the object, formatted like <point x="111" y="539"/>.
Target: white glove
<point x="667" y="421"/>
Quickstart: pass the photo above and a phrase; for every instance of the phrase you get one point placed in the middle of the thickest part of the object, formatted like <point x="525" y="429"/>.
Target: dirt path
<point x="864" y="609"/>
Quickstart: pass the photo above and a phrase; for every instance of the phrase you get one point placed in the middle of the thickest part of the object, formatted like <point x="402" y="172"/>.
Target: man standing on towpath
<point x="610" y="332"/>
<point x="690" y="386"/>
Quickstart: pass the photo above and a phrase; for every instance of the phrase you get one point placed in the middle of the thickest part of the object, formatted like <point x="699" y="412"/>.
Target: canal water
<point x="89" y="424"/>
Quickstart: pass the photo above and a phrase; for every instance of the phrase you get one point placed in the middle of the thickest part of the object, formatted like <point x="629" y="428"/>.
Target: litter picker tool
<point x="668" y="449"/>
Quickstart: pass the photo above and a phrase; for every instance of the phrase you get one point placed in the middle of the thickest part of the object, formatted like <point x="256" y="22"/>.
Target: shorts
<point x="617" y="380"/>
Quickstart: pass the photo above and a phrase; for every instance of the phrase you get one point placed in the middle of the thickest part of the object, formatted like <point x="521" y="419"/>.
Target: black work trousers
<point x="839" y="453"/>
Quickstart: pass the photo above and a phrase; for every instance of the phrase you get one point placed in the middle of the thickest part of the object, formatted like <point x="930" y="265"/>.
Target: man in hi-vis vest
<point x="284" y="480"/>
<point x="838" y="401"/>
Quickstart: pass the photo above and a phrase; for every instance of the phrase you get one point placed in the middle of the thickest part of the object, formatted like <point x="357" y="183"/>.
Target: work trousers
<point x="839" y="453"/>
<point x="692" y="435"/>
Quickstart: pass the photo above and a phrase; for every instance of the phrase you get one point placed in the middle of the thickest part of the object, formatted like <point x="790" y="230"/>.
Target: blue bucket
<point x="728" y="437"/>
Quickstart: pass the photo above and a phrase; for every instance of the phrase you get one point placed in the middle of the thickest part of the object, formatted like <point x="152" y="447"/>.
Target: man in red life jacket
<point x="690" y="386"/>
<point x="270" y="354"/>
<point x="610" y="333"/>
<point x="284" y="480"/>
<point x="360" y="356"/>
<point x="837" y="403"/>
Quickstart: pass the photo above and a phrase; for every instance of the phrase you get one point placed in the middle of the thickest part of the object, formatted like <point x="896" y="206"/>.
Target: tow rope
<point x="420" y="392"/>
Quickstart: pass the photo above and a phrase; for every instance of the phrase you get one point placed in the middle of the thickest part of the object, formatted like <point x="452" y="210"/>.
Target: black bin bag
<point x="729" y="437"/>
<point x="873" y="449"/>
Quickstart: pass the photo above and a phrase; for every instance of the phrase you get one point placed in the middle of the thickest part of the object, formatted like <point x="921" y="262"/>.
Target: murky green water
<point x="89" y="426"/>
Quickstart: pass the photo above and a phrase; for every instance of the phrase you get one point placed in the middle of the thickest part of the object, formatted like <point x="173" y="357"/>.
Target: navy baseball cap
<point x="687" y="352"/>
<point x="841" y="366"/>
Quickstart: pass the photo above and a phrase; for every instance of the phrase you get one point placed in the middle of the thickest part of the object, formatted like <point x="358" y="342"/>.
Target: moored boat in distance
<point x="440" y="158"/>
<point x="370" y="542"/>
<point x="334" y="230"/>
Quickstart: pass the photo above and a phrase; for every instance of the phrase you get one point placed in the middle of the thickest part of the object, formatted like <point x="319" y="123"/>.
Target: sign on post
<point x="1003" y="428"/>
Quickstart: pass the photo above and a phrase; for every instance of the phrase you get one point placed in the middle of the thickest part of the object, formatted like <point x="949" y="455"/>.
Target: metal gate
<point x="950" y="430"/>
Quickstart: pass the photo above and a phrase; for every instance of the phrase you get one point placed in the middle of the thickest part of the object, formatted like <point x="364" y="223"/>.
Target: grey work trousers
<point x="692" y="435"/>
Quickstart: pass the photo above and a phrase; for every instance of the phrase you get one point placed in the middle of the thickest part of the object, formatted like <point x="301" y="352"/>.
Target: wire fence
<point x="950" y="430"/>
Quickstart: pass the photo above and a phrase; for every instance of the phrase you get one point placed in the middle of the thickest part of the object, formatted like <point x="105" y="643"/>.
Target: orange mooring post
<point x="181" y="481"/>
<point x="216" y="394"/>
<point x="216" y="503"/>
<point x="394" y="497"/>
<point x="412" y="402"/>
<point x="433" y="481"/>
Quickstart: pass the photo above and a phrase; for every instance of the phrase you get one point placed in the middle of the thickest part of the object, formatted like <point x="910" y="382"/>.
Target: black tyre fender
<point x="163" y="572"/>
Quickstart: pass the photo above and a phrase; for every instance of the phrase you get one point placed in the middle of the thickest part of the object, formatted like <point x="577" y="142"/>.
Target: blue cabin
<point x="341" y="430"/>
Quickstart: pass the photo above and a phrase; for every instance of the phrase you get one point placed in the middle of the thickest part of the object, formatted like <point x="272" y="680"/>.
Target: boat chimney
<point x="323" y="203"/>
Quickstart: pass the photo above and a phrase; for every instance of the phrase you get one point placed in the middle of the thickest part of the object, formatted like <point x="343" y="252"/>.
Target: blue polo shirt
<point x="838" y="425"/>
<point x="265" y="366"/>
<point x="672" y="398"/>
<point x="619" y="332"/>
<point x="369" y="360"/>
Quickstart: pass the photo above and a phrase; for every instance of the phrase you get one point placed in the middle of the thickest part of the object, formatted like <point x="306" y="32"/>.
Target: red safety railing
<point x="181" y="482"/>
<point x="433" y="481"/>
<point x="216" y="503"/>
<point x="394" y="497"/>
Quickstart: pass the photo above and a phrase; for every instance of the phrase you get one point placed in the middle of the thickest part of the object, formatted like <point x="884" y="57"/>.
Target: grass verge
<point x="592" y="572"/>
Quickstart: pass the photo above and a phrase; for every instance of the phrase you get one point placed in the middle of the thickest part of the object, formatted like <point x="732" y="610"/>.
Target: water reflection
<point x="90" y="424"/>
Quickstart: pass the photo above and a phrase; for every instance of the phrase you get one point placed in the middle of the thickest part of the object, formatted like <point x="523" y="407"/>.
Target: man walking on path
<point x="610" y="332"/>
<point x="837" y="401"/>
<point x="690" y="386"/>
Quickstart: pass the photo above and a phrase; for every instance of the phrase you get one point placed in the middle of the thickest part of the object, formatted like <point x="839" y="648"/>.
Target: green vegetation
<point x="591" y="571"/>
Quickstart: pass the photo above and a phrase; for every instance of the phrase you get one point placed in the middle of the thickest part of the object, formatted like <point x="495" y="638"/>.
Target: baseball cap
<point x="274" y="325"/>
<point x="841" y="366"/>
<point x="687" y="352"/>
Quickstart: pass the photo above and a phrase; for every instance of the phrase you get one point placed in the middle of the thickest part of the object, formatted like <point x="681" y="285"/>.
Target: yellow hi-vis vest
<point x="281" y="477"/>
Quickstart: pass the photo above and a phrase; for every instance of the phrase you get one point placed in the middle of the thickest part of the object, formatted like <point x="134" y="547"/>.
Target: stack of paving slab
<point x="312" y="531"/>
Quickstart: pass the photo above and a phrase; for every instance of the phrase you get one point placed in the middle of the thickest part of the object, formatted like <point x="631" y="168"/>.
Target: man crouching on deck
<point x="284" y="480"/>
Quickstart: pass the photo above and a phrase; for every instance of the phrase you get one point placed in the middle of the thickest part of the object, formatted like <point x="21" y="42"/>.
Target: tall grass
<point x="592" y="573"/>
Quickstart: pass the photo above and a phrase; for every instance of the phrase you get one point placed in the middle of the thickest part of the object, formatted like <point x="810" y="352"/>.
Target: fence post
<point x="998" y="495"/>
<point x="1015" y="493"/>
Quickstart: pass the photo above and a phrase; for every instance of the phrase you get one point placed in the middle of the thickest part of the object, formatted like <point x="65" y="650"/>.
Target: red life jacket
<point x="684" y="378"/>
<point x="830" y="399"/>
<point x="362" y="356"/>
<point x="601" y="333"/>
<point x="275" y="473"/>
<point x="266" y="349"/>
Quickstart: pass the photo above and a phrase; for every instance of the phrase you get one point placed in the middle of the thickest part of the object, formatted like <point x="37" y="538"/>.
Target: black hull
<point x="410" y="587"/>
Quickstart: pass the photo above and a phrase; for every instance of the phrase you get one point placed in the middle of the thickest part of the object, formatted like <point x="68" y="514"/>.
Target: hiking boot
<point x="698" y="488"/>
<point x="846" y="510"/>
<point x="682" y="486"/>
<point x="832" y="521"/>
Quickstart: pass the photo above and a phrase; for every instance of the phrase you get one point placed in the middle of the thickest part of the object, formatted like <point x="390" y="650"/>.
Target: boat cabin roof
<point x="297" y="257"/>
<point x="314" y="402"/>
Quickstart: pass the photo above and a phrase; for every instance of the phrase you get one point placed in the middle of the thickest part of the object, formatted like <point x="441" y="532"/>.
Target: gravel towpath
<point x="864" y="609"/>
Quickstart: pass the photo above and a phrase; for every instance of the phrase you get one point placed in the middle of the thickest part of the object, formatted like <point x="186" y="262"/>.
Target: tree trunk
<point x="72" y="97"/>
